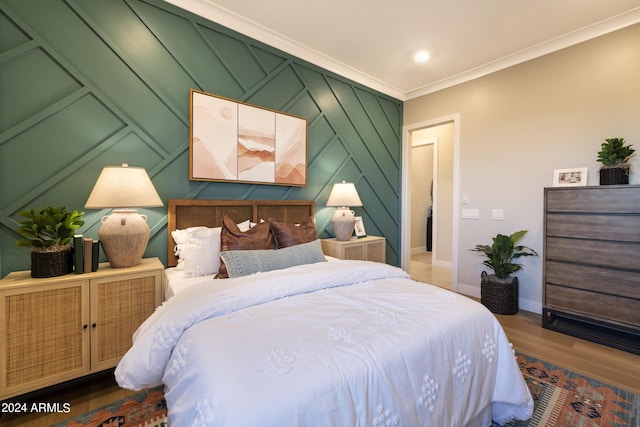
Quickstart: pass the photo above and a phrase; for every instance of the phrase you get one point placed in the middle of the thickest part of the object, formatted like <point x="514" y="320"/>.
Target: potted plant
<point x="49" y="233"/>
<point x="614" y="156"/>
<point x="499" y="291"/>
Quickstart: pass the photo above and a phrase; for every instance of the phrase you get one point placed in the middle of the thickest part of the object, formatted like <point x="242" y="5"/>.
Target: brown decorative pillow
<point x="286" y="234"/>
<point x="232" y="239"/>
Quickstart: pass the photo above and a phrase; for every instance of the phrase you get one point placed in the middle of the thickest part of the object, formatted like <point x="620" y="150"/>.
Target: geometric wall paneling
<point x="87" y="84"/>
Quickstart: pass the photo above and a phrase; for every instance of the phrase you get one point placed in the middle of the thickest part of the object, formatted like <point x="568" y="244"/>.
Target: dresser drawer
<point x="606" y="307"/>
<point x="595" y="279"/>
<point x="598" y="253"/>
<point x="623" y="228"/>
<point x="592" y="200"/>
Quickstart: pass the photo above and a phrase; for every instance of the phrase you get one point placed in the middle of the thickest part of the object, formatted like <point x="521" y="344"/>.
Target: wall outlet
<point x="470" y="214"/>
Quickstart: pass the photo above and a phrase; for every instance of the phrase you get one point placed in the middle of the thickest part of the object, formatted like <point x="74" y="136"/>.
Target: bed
<point x="319" y="342"/>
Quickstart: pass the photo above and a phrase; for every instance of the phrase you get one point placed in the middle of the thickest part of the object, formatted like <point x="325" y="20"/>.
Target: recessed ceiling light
<point x="421" y="56"/>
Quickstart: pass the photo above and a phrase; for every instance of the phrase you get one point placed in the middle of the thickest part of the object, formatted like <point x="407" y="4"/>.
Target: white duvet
<point x="345" y="343"/>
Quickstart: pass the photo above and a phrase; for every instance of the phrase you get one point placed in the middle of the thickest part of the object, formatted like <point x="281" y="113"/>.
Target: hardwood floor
<point x="83" y="396"/>
<point x="606" y="364"/>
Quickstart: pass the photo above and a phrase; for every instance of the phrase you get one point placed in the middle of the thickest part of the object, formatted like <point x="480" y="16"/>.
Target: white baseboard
<point x="440" y="263"/>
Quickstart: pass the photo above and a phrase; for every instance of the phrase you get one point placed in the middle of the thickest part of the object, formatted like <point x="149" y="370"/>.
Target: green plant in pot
<point x="614" y="156"/>
<point x="499" y="291"/>
<point x="49" y="233"/>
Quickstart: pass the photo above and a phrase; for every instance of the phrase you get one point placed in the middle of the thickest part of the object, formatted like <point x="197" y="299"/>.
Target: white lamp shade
<point x="123" y="187"/>
<point x="344" y="194"/>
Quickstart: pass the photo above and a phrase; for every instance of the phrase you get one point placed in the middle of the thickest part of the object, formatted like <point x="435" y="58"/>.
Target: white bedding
<point x="177" y="281"/>
<point x="345" y="343"/>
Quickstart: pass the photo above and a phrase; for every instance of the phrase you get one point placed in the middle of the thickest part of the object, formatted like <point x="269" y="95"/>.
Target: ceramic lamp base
<point x="124" y="236"/>
<point x="344" y="222"/>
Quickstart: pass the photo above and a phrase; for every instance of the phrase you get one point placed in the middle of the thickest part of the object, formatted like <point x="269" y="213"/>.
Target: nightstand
<point x="370" y="248"/>
<point x="60" y="328"/>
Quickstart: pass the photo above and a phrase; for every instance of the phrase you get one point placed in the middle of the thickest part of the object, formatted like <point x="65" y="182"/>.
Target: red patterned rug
<point x="145" y="409"/>
<point x="562" y="399"/>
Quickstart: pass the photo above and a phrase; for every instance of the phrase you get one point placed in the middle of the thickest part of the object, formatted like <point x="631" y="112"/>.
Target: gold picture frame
<point x="234" y="141"/>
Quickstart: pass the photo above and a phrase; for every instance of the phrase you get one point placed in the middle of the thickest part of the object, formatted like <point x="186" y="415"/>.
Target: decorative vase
<point x="124" y="236"/>
<point x="614" y="176"/>
<point x="51" y="263"/>
<point x="344" y="222"/>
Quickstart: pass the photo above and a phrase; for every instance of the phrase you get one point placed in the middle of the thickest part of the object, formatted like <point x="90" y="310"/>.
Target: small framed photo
<point x="359" y="229"/>
<point x="575" y="177"/>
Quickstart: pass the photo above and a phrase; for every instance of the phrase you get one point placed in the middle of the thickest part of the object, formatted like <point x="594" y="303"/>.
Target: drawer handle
<point x="93" y="325"/>
<point x="85" y="326"/>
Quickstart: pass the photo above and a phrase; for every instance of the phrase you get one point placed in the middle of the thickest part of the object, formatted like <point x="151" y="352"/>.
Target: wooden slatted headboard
<point x="184" y="213"/>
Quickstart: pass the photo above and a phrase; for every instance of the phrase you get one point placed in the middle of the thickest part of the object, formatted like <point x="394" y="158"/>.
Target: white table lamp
<point x="343" y="195"/>
<point x="124" y="234"/>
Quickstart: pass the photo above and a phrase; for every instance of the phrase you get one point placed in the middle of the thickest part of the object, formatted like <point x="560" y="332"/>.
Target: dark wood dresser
<point x="592" y="263"/>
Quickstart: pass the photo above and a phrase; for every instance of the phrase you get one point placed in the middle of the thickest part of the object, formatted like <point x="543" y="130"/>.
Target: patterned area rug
<point x="145" y="409"/>
<point x="562" y="399"/>
<point x="565" y="399"/>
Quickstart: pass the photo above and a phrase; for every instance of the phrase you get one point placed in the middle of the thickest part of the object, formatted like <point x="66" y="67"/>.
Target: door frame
<point x="405" y="227"/>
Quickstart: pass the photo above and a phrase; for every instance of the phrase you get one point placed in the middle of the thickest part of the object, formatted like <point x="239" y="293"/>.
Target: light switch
<point x="470" y="214"/>
<point x="497" y="215"/>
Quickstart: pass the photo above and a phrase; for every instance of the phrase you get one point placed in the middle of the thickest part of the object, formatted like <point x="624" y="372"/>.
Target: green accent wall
<point x="90" y="83"/>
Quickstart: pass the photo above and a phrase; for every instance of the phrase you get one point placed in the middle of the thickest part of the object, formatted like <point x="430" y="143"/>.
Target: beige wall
<point x="519" y="124"/>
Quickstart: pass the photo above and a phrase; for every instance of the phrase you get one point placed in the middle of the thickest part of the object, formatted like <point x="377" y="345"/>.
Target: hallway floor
<point x="424" y="271"/>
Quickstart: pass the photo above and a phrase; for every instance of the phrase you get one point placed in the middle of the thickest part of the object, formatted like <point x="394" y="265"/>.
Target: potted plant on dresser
<point x="614" y="157"/>
<point x="499" y="291"/>
<point x="49" y="233"/>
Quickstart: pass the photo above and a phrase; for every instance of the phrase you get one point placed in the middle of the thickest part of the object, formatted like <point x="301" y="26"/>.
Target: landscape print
<point x="233" y="141"/>
<point x="214" y="138"/>
<point x="291" y="150"/>
<point x="256" y="144"/>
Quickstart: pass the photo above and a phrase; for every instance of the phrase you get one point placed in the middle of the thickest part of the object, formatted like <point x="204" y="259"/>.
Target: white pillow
<point x="200" y="254"/>
<point x="198" y="249"/>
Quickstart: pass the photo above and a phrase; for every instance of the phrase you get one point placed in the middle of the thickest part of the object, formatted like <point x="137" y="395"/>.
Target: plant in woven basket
<point x="49" y="233"/>
<point x="499" y="291"/>
<point x="614" y="156"/>
<point x="503" y="251"/>
<point x="48" y="229"/>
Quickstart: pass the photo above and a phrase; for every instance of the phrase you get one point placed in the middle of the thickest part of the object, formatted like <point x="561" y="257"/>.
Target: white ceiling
<point x="373" y="41"/>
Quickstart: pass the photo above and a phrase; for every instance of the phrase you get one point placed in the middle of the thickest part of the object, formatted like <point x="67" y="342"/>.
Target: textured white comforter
<point x="345" y="343"/>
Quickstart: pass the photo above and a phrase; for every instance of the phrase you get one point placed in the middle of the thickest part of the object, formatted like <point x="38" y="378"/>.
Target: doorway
<point x="441" y="137"/>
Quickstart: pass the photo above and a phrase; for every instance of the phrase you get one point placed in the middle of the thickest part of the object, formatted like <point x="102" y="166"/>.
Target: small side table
<point x="370" y="248"/>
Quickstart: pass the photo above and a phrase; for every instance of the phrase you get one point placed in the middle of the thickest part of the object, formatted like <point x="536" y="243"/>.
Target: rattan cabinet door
<point x="370" y="248"/>
<point x="119" y="305"/>
<point x="44" y="339"/>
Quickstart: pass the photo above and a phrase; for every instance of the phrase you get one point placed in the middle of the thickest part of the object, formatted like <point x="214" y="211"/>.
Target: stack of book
<point x="86" y="254"/>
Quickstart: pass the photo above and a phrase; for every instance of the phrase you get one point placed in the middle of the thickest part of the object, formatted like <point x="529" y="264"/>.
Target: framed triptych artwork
<point x="234" y="141"/>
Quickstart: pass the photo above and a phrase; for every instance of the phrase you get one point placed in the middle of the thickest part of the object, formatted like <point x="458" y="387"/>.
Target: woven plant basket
<point x="500" y="296"/>
<point x="614" y="176"/>
<point x="51" y="264"/>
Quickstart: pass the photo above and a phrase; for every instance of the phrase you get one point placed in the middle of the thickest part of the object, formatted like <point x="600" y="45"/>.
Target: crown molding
<point x="249" y="28"/>
<point x="587" y="33"/>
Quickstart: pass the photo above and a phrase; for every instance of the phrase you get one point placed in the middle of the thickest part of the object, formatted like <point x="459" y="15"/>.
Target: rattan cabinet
<point x="370" y="248"/>
<point x="61" y="328"/>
